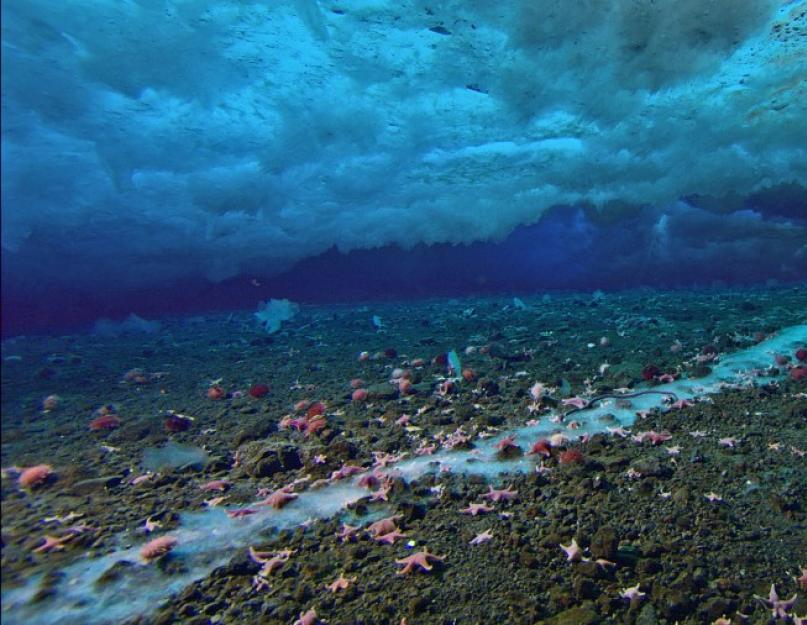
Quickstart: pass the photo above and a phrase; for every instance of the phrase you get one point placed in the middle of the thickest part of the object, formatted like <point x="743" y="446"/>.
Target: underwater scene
<point x="430" y="312"/>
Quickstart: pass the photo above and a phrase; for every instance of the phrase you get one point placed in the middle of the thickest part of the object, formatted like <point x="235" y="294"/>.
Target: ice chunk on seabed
<point x="81" y="596"/>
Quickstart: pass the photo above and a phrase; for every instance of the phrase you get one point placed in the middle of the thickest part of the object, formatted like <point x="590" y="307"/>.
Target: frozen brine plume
<point x="285" y="129"/>
<point x="273" y="313"/>
<point x="133" y="324"/>
<point x="126" y="583"/>
<point x="175" y="456"/>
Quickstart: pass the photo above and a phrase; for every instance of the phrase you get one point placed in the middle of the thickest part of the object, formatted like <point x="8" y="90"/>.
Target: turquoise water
<point x="223" y="218"/>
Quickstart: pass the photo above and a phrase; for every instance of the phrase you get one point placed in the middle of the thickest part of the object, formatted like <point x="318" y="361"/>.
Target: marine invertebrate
<point x="35" y="476"/>
<point x="157" y="548"/>
<point x="420" y="560"/>
<point x="258" y="390"/>
<point x="176" y="423"/>
<point x="105" y="422"/>
<point x="215" y="393"/>
<point x="571" y="456"/>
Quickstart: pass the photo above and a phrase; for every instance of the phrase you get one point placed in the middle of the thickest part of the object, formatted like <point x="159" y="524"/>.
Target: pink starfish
<point x="482" y="538"/>
<point x="217" y="485"/>
<point x="279" y="498"/>
<point x="632" y="593"/>
<point x="425" y="450"/>
<point x="577" y="402"/>
<point x="271" y="561"/>
<point x="504" y="494"/>
<point x="656" y="438"/>
<point x="384" y="526"/>
<point x="507" y="443"/>
<point x="680" y="404"/>
<point x="346" y="471"/>
<point x="141" y="478"/>
<point x="382" y="459"/>
<point x="779" y="608"/>
<point x="477" y="508"/>
<point x="382" y="493"/>
<point x="240" y="513"/>
<point x="573" y="551"/>
<point x="390" y="537"/>
<point x="53" y="543"/>
<point x="420" y="559"/>
<point x="347" y="533"/>
<point x="341" y="583"/>
<point x="307" y="618"/>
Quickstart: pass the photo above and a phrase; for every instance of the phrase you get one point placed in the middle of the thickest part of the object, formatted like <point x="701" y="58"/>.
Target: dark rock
<point x="114" y="572"/>
<point x="585" y="588"/>
<point x="604" y="543"/>
<point x="488" y="387"/>
<point x="647" y="615"/>
<point x="628" y="555"/>
<point x="94" y="485"/>
<point x="383" y="391"/>
<point x="715" y="607"/>
<point x="264" y="460"/>
<point x="651" y="467"/>
<point x="614" y="462"/>
<point x="583" y="614"/>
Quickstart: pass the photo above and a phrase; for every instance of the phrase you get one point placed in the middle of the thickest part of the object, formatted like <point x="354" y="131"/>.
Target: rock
<point x="584" y="614"/>
<point x="260" y="459"/>
<point x="614" y="462"/>
<point x="94" y="485"/>
<point x="382" y="391"/>
<point x="604" y="543"/>
<point x="628" y="555"/>
<point x="488" y="387"/>
<point x="585" y="588"/>
<point x="114" y="572"/>
<point x="715" y="607"/>
<point x="647" y="615"/>
<point x="651" y="467"/>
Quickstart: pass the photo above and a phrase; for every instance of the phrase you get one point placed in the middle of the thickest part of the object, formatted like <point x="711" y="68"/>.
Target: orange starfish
<point x="341" y="583"/>
<point x="503" y="494"/>
<point x="280" y="498"/>
<point x="384" y="526"/>
<point x="420" y="559"/>
<point x="53" y="543"/>
<point x="389" y="537"/>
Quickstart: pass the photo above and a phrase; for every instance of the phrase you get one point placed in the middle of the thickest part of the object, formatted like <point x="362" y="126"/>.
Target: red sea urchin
<point x="571" y="456"/>
<point x="104" y="422"/>
<point x="176" y="423"/>
<point x="35" y="476"/>
<point x="258" y="390"/>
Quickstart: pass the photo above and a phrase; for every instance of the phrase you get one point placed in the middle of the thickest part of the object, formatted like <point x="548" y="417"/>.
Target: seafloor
<point x="701" y="522"/>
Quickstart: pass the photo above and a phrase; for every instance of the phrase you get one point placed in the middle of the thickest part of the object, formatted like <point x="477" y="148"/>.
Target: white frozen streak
<point x="209" y="539"/>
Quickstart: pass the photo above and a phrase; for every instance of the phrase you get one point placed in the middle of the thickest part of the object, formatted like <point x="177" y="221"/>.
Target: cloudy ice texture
<point x="146" y="141"/>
